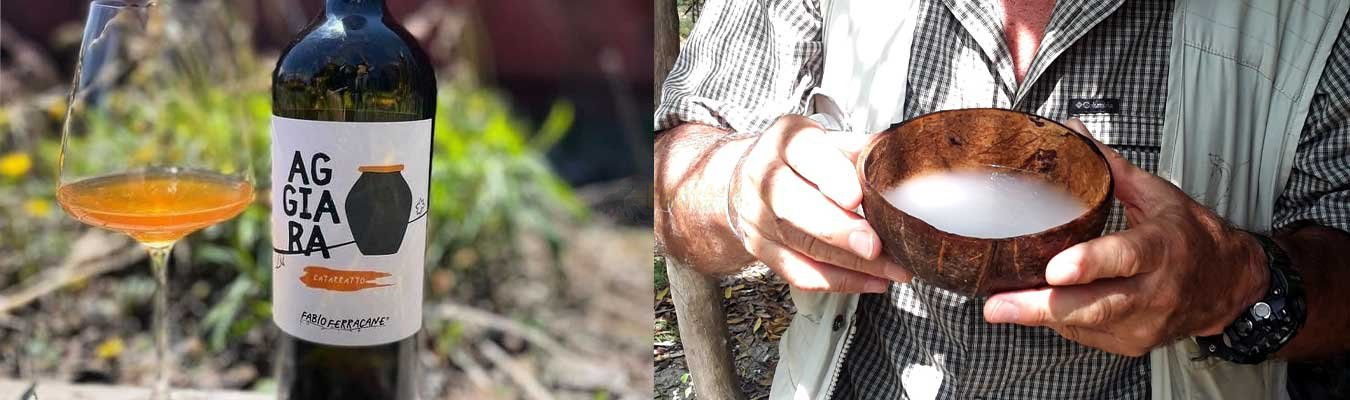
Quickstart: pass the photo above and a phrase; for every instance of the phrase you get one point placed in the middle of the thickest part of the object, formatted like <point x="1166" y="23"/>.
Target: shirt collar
<point x="984" y="22"/>
<point x="1071" y="20"/>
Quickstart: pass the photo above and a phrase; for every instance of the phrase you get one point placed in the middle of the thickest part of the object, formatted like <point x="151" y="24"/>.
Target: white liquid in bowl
<point x="987" y="203"/>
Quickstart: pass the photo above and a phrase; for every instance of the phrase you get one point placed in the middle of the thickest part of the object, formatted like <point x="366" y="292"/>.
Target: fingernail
<point x="1002" y="312"/>
<point x="1061" y="273"/>
<point x="875" y="286"/>
<point x="1063" y="267"/>
<point x="862" y="243"/>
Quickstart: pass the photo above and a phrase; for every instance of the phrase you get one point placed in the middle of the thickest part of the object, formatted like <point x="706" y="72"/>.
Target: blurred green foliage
<point x="659" y="279"/>
<point x="491" y="185"/>
<point x="688" y="10"/>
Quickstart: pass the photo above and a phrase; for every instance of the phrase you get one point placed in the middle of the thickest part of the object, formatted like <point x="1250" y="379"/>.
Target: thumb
<point x="851" y="144"/>
<point x="1135" y="187"/>
<point x="1114" y="160"/>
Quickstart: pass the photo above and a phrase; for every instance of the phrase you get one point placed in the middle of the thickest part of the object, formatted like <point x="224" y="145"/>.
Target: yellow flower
<point x="110" y="348"/>
<point x="15" y="164"/>
<point x="144" y="155"/>
<point x="57" y="109"/>
<point x="38" y="207"/>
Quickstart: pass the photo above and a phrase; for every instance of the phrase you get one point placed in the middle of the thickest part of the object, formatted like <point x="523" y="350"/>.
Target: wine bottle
<point x="352" y="101"/>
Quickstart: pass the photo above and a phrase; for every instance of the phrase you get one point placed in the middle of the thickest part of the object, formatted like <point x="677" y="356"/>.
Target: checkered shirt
<point x="747" y="62"/>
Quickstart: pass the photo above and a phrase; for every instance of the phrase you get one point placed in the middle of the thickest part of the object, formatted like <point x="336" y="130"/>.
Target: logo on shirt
<point x="1094" y="106"/>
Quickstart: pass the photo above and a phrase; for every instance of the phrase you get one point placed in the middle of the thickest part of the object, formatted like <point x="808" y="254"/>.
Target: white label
<point x="349" y="228"/>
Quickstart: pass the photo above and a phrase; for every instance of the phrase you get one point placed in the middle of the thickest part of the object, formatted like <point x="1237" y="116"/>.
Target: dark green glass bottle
<point x="362" y="74"/>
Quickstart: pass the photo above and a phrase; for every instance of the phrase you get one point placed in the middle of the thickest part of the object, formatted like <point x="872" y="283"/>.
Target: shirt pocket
<point x="1136" y="137"/>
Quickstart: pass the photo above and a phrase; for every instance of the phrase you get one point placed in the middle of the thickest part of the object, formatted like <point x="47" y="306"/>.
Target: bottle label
<point x="349" y="228"/>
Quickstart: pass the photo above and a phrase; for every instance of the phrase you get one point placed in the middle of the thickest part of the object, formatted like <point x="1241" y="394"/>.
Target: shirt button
<point x="838" y="322"/>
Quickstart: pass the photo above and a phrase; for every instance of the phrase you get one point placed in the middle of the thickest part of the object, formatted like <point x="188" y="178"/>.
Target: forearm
<point x="694" y="165"/>
<point x="1319" y="254"/>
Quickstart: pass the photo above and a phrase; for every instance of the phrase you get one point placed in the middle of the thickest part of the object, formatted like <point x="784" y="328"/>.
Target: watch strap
<point x="1264" y="327"/>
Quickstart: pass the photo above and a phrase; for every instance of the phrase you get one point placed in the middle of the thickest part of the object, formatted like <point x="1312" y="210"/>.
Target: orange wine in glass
<point x="127" y="172"/>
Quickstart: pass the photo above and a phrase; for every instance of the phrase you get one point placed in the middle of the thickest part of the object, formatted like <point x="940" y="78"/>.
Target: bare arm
<point x="694" y="164"/>
<point x="1322" y="256"/>
<point x="789" y="191"/>
<point x="764" y="172"/>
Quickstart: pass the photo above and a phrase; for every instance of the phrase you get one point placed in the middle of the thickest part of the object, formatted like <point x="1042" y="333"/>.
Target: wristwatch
<point x="1267" y="325"/>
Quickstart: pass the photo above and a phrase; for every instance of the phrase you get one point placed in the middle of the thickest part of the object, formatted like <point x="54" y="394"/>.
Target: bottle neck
<point x="346" y="7"/>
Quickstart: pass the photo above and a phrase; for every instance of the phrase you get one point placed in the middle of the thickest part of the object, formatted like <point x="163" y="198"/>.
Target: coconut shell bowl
<point x="957" y="140"/>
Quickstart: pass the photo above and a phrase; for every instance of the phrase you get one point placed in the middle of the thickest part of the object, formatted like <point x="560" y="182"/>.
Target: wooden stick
<point x="471" y="369"/>
<point x="95" y="253"/>
<point x="55" y="390"/>
<point x="666" y="43"/>
<point x="667" y="356"/>
<point x="551" y="347"/>
<point x="486" y="319"/>
<point x="703" y="332"/>
<point x="519" y="374"/>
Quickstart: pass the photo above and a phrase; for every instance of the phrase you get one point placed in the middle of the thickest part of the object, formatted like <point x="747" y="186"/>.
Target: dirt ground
<point x="579" y="337"/>
<point x="758" y="311"/>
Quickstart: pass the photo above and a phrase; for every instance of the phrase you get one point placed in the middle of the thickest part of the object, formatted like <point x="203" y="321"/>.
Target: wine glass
<point x="135" y="157"/>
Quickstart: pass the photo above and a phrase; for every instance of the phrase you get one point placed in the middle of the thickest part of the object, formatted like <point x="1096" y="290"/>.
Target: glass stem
<point x="159" y="264"/>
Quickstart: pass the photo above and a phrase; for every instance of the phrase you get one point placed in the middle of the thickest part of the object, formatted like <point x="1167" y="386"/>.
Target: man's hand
<point x="1177" y="271"/>
<point x="791" y="198"/>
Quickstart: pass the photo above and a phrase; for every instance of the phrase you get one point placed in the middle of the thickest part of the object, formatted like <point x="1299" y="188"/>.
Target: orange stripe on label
<point x="338" y="280"/>
<point x="380" y="168"/>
